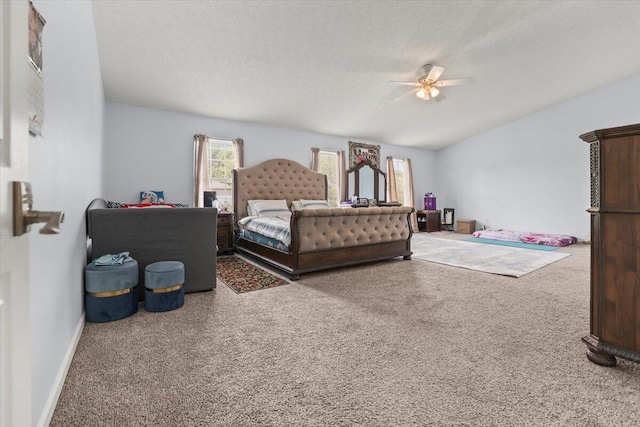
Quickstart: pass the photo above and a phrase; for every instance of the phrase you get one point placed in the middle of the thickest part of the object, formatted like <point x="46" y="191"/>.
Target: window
<point x="399" y="172"/>
<point x="329" y="167"/>
<point x="221" y="163"/>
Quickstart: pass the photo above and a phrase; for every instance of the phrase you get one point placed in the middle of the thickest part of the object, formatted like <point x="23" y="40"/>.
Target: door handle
<point x="24" y="216"/>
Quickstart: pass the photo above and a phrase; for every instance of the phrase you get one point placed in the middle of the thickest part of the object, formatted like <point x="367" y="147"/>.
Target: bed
<point x="321" y="238"/>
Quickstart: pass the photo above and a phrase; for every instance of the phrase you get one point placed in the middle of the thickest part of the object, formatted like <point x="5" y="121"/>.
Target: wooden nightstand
<point x="428" y="220"/>
<point x="226" y="233"/>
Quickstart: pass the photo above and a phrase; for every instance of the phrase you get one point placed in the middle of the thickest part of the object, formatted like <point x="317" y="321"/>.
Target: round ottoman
<point x="163" y="286"/>
<point x="110" y="291"/>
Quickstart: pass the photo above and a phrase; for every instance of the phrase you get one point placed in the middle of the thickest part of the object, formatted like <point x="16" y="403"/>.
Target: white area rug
<point x="503" y="260"/>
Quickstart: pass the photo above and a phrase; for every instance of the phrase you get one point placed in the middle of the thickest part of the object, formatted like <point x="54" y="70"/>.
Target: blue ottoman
<point x="163" y="286"/>
<point x="110" y="291"/>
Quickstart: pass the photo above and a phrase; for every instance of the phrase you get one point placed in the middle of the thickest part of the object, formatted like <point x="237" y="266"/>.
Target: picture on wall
<point x="36" y="84"/>
<point x="36" y="25"/>
<point x="359" y="152"/>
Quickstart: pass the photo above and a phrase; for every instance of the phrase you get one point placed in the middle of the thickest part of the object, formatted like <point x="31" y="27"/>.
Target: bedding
<point x="272" y="227"/>
<point x="527" y="237"/>
<point x="320" y="237"/>
<point x="263" y="240"/>
<point x="147" y="205"/>
<point x="270" y="208"/>
<point x="297" y="205"/>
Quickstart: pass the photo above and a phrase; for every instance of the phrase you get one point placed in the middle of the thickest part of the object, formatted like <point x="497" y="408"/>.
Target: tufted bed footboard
<point x="320" y="238"/>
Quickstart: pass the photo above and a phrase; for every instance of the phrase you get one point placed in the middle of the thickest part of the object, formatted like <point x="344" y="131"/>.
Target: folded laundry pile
<point x="109" y="259"/>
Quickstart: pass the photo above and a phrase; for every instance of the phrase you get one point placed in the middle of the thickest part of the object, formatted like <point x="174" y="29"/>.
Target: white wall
<point x="66" y="174"/>
<point x="533" y="174"/>
<point x="153" y="150"/>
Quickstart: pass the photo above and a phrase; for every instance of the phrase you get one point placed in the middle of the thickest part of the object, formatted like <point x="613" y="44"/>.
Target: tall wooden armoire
<point x="615" y="245"/>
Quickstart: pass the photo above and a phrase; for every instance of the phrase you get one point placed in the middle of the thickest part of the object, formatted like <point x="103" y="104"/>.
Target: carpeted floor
<point x="398" y="343"/>
<point x="242" y="276"/>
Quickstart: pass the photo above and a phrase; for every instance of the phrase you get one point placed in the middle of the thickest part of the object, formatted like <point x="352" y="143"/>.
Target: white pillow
<point x="277" y="208"/>
<point x="309" y="204"/>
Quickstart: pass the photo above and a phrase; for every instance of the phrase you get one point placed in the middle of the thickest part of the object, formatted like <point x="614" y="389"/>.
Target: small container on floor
<point x="163" y="283"/>
<point x="465" y="226"/>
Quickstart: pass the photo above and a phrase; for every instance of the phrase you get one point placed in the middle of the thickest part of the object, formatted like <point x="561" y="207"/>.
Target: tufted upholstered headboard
<point x="276" y="179"/>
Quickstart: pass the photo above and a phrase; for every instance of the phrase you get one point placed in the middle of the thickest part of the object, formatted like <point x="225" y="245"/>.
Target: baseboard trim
<point x="52" y="401"/>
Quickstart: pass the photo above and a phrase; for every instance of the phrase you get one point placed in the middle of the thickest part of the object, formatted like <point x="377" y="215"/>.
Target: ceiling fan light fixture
<point x="427" y="86"/>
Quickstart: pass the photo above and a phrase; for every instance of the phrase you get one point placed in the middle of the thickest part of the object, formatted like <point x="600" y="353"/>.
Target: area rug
<point x="242" y="276"/>
<point x="506" y="261"/>
<point x="512" y="244"/>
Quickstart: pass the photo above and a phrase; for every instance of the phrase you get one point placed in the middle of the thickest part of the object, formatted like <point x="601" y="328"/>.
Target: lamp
<point x="433" y="91"/>
<point x="420" y="94"/>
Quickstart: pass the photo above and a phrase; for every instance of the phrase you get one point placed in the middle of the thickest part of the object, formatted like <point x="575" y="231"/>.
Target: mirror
<point x="366" y="181"/>
<point x="366" y="184"/>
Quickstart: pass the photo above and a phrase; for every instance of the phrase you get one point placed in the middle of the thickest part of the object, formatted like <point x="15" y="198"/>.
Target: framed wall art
<point x="36" y="25"/>
<point x="36" y="85"/>
<point x="359" y="152"/>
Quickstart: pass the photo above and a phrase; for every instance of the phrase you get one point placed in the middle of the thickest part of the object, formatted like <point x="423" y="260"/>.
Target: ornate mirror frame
<point x="377" y="173"/>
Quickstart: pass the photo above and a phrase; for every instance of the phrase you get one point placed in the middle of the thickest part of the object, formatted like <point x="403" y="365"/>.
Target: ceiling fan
<point x="428" y="84"/>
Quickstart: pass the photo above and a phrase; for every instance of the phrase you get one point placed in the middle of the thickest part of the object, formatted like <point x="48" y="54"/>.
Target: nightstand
<point x="428" y="220"/>
<point x="225" y="232"/>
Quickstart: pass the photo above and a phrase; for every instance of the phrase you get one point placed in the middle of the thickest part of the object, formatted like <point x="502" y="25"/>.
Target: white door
<point x="15" y="314"/>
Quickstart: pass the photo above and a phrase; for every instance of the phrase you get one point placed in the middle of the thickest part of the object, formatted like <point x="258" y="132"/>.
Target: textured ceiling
<point x="324" y="66"/>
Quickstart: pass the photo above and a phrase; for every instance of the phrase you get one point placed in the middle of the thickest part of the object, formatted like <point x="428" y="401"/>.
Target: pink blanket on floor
<point x="527" y="237"/>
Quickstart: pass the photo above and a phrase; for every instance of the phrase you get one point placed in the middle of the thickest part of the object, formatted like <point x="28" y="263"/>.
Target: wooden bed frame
<point x="285" y="179"/>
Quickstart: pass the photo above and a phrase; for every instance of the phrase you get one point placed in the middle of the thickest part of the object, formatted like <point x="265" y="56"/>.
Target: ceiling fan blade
<point x="439" y="98"/>
<point x="434" y="73"/>
<point x="405" y="83"/>
<point x="408" y="93"/>
<point x="453" y="82"/>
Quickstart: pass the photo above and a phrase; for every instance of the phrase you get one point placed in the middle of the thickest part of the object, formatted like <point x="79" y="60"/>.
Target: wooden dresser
<point x="225" y="232"/>
<point x="615" y="245"/>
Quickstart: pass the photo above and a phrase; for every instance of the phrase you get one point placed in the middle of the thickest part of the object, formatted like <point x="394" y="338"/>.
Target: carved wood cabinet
<point x="615" y="245"/>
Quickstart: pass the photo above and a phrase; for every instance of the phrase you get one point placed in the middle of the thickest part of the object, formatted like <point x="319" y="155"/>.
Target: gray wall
<point x="529" y="175"/>
<point x="533" y="174"/>
<point x="66" y="174"/>
<point x="153" y="150"/>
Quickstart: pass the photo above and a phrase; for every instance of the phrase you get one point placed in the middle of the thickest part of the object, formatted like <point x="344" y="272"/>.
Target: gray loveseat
<point x="187" y="235"/>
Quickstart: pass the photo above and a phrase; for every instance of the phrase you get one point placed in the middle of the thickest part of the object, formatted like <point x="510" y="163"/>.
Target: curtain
<point x="315" y="159"/>
<point x="392" y="190"/>
<point x="342" y="188"/>
<point x="200" y="169"/>
<point x="238" y="152"/>
<point x="409" y="197"/>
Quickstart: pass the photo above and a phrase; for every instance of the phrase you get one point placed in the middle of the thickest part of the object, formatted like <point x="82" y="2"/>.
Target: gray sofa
<point x="187" y="235"/>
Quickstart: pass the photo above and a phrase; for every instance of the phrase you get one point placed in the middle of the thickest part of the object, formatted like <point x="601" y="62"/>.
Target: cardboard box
<point x="465" y="226"/>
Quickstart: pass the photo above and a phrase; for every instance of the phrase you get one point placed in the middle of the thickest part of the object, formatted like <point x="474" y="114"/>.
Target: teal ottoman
<point x="110" y="291"/>
<point x="163" y="282"/>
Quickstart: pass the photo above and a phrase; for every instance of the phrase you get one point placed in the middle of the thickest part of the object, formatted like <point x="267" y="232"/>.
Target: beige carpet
<point x="399" y="343"/>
